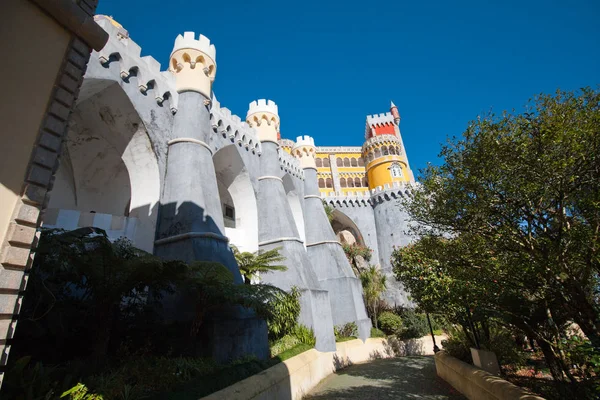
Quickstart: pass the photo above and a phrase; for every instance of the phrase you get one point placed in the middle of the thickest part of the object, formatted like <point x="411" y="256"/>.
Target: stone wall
<point x="475" y="383"/>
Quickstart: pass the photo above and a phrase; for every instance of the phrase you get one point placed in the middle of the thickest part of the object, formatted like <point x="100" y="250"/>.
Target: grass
<point x="438" y="332"/>
<point x="344" y="339"/>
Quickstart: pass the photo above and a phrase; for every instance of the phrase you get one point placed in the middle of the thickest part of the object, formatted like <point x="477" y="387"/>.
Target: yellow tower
<point x="383" y="151"/>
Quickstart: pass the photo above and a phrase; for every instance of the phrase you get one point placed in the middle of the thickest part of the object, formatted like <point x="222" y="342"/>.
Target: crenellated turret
<point x="263" y="116"/>
<point x="304" y="149"/>
<point x="193" y="62"/>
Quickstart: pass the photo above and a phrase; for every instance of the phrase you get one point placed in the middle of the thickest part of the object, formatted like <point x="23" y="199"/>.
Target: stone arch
<point x="361" y="162"/>
<point x="321" y="182"/>
<point x="339" y="162"/>
<point x="341" y="222"/>
<point x="343" y="182"/>
<point x="238" y="199"/>
<point x="357" y="182"/>
<point x="318" y="162"/>
<point x="346" y="162"/>
<point x="328" y="183"/>
<point x="354" y="162"/>
<point x="110" y="176"/>
<point x="295" y="204"/>
<point x="326" y="162"/>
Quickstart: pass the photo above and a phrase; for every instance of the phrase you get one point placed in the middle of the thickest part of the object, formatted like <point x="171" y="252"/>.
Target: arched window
<point x="396" y="170"/>
<point x="398" y="150"/>
<point x="346" y="162"/>
<point x="392" y="150"/>
<point x="343" y="182"/>
<point x="321" y="182"/>
<point x="384" y="151"/>
<point x="356" y="182"/>
<point x="318" y="163"/>
<point x="361" y="162"/>
<point x="353" y="162"/>
<point x="350" y="182"/>
<point x="365" y="182"/>
<point x="328" y="183"/>
<point x="339" y="162"/>
<point x="377" y="153"/>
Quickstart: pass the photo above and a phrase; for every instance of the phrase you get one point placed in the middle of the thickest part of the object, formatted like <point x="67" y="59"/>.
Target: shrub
<point x="389" y="322"/>
<point x="286" y="309"/>
<point x="375" y="333"/>
<point x="414" y="325"/>
<point x="349" y="330"/>
<point x="458" y="345"/>
<point x="285" y="343"/>
<point x="305" y="335"/>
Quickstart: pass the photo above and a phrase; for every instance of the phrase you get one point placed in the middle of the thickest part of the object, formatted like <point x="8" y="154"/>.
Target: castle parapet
<point x="263" y="115"/>
<point x="193" y="62"/>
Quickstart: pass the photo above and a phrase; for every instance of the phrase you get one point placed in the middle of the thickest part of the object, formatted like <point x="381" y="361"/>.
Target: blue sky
<point x="328" y="64"/>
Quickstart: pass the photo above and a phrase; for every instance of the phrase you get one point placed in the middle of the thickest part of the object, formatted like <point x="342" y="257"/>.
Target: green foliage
<point x="376" y="333"/>
<point x="305" y="335"/>
<point x="252" y="264"/>
<point x="458" y="345"/>
<point x="28" y="381"/>
<point x="80" y="392"/>
<point x="285" y="309"/>
<point x="349" y="330"/>
<point x="374" y="284"/>
<point x="389" y="323"/>
<point x="414" y="325"/>
<point x="355" y="250"/>
<point x="282" y="344"/>
<point x="508" y="223"/>
<point x="328" y="211"/>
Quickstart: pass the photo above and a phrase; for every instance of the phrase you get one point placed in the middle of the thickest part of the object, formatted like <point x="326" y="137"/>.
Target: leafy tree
<point x="252" y="264"/>
<point x="82" y="285"/>
<point x="374" y="284"/>
<point x="510" y="222"/>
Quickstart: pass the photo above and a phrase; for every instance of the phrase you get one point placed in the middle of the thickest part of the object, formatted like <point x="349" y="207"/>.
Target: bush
<point x="375" y="333"/>
<point x="458" y="345"/>
<point x="349" y="330"/>
<point x="285" y="343"/>
<point x="389" y="322"/>
<point x="286" y="309"/>
<point x="414" y="325"/>
<point x="305" y="335"/>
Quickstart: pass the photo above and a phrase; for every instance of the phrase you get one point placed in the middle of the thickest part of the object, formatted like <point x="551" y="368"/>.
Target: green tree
<point x="251" y="264"/>
<point x="328" y="211"/>
<point x="374" y="284"/>
<point x="510" y="222"/>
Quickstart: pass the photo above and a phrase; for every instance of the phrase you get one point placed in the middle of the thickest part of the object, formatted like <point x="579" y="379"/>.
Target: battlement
<point x="377" y="195"/>
<point x="304" y="141"/>
<point x="262" y="105"/>
<point x="189" y="41"/>
<point x="121" y="49"/>
<point x="232" y="127"/>
<point x="380" y="119"/>
<point x="290" y="164"/>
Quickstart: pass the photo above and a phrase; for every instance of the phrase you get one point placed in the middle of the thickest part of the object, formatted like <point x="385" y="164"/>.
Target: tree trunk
<point x="247" y="280"/>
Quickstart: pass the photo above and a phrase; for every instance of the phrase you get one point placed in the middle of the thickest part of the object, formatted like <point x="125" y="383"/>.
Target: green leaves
<point x="252" y="264"/>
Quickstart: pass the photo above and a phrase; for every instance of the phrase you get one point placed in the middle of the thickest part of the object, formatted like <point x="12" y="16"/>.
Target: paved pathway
<point x="394" y="378"/>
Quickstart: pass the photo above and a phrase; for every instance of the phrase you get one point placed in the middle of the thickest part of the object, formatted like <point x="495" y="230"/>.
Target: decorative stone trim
<point x="323" y="242"/>
<point x="190" y="140"/>
<point x="312" y="196"/>
<point x="191" y="235"/>
<point x="15" y="253"/>
<point x="260" y="178"/>
<point x="282" y="239"/>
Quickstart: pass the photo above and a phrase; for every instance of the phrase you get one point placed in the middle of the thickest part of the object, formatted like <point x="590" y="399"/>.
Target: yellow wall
<point x="33" y="55"/>
<point x="378" y="173"/>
